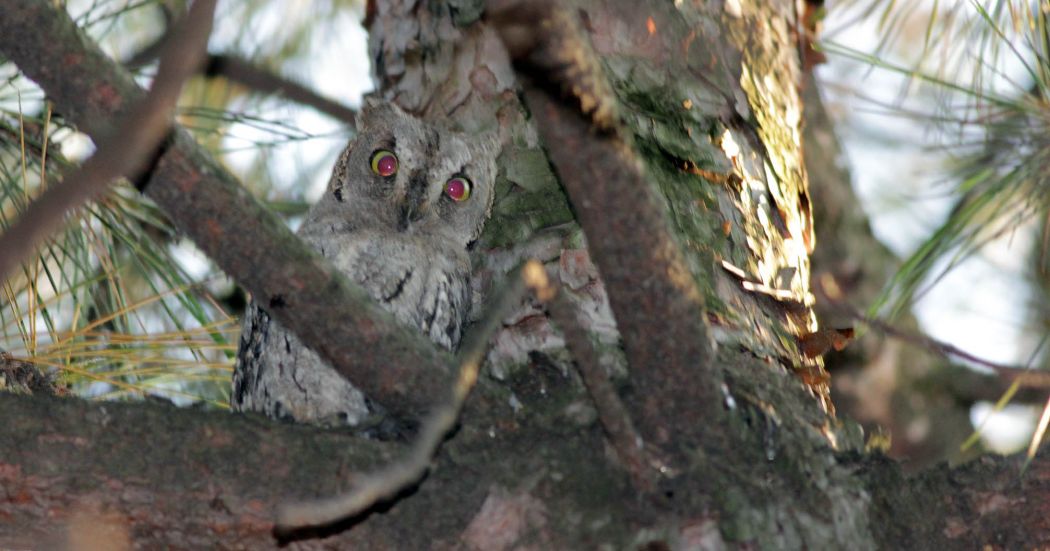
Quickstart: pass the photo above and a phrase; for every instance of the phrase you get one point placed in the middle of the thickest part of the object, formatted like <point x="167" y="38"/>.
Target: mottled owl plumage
<point x="401" y="237"/>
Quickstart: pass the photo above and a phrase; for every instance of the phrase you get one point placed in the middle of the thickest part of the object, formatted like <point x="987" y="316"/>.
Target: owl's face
<point x="401" y="174"/>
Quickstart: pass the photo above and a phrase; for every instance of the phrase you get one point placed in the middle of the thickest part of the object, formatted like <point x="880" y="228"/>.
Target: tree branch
<point x="186" y="478"/>
<point x="1034" y="378"/>
<point x="125" y="152"/>
<point x="991" y="500"/>
<point x="248" y="75"/>
<point x="262" y="81"/>
<point x="966" y="386"/>
<point x="256" y="79"/>
<point x="661" y="319"/>
<point x="299" y="288"/>
<point x="613" y="415"/>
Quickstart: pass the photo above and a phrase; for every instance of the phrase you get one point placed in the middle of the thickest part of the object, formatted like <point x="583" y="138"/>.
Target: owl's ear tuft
<point x="378" y="113"/>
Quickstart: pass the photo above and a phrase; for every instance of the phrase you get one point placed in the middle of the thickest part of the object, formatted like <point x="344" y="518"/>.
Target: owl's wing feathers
<point x="280" y="377"/>
<point x="420" y="284"/>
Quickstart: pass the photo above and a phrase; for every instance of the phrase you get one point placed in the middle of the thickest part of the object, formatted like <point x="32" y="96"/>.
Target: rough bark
<point x="163" y="477"/>
<point x="661" y="320"/>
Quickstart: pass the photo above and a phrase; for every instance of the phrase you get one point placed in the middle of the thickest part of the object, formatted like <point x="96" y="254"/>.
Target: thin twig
<point x="1033" y="378"/>
<point x="613" y="415"/>
<point x="390" y="481"/>
<point x="126" y="152"/>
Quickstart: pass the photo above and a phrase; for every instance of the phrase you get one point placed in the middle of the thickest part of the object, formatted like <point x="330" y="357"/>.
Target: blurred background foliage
<point x="943" y="107"/>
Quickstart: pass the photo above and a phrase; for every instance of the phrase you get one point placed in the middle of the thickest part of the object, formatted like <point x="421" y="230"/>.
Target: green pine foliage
<point x="992" y="123"/>
<point x="984" y="70"/>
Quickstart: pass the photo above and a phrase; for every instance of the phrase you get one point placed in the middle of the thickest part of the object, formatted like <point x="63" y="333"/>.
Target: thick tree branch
<point x="661" y="320"/>
<point x="190" y="479"/>
<point x="398" y="368"/>
<point x="992" y="502"/>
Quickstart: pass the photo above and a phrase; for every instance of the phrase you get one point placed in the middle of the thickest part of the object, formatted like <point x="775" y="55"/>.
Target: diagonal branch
<point x="251" y="76"/>
<point x="400" y="369"/>
<point x="658" y="309"/>
<point x="1023" y="376"/>
<point x="395" y="478"/>
<point x="125" y="152"/>
<point x="640" y="463"/>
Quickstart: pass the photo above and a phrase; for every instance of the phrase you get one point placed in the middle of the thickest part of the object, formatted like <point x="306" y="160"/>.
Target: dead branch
<point x="125" y="152"/>
<point x="257" y="79"/>
<point x="261" y="81"/>
<point x="206" y="203"/>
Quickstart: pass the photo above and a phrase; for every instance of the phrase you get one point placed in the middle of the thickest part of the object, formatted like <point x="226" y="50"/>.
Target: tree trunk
<point x="663" y="141"/>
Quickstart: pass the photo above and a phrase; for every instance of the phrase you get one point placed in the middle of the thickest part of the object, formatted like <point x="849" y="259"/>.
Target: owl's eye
<point x="384" y="163"/>
<point x="458" y="188"/>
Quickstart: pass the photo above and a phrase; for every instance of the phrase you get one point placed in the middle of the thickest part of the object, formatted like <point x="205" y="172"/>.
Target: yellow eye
<point x="384" y="163"/>
<point x="458" y="188"/>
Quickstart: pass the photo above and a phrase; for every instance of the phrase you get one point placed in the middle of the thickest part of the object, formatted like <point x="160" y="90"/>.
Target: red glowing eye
<point x="384" y="163"/>
<point x="458" y="188"/>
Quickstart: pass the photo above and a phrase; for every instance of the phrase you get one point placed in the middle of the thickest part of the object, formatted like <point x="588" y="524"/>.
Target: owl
<point x="406" y="200"/>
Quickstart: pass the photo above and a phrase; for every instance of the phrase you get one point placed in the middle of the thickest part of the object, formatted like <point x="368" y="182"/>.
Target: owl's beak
<point x="414" y="207"/>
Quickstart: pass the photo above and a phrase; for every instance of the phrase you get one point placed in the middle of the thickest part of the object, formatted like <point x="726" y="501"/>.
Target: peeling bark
<point x="889" y="387"/>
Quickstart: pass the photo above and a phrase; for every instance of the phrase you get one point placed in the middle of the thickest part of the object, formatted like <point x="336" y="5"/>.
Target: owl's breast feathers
<point x="423" y="280"/>
<point x="422" y="286"/>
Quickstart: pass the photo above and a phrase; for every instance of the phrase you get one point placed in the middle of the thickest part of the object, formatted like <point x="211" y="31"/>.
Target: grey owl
<point x="405" y="200"/>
